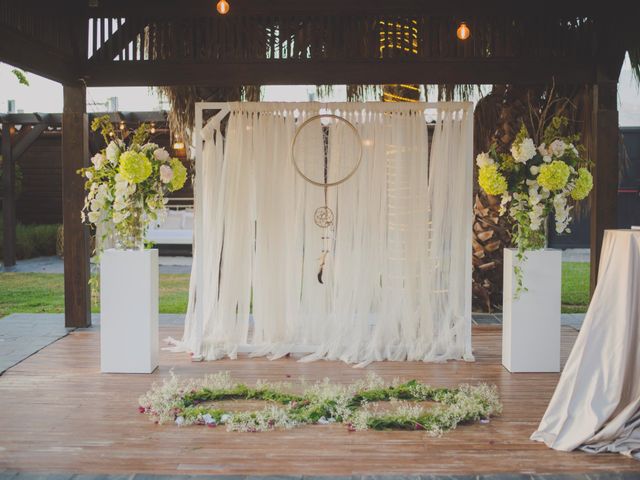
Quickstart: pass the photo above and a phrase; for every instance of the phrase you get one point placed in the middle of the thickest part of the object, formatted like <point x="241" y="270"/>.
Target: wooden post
<point x="605" y="173"/>
<point x="75" y="155"/>
<point x="8" y="199"/>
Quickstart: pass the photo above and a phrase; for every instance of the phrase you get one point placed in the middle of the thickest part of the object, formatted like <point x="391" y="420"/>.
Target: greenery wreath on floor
<point x="193" y="402"/>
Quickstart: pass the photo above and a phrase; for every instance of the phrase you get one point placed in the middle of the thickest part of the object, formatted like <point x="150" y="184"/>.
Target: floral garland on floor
<point x="354" y="405"/>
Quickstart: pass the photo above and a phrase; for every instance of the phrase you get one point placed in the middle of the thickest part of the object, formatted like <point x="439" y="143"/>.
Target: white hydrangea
<point x="484" y="159"/>
<point x="524" y="151"/>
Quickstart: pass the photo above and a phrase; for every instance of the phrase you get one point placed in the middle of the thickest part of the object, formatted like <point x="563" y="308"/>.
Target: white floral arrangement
<point x="127" y="184"/>
<point x="198" y="402"/>
<point x="535" y="181"/>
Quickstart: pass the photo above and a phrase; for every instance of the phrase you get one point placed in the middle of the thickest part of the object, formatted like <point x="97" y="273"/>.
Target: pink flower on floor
<point x="142" y="409"/>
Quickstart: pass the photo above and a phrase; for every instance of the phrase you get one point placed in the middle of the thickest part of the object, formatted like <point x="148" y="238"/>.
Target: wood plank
<point x="8" y="199"/>
<point x="605" y="171"/>
<point x="30" y="54"/>
<point x="302" y="72"/>
<point x="59" y="414"/>
<point x="75" y="155"/>
<point x="167" y="8"/>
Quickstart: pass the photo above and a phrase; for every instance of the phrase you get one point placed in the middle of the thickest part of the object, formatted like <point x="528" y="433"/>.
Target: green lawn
<point x="43" y="292"/>
<point x="575" y="287"/>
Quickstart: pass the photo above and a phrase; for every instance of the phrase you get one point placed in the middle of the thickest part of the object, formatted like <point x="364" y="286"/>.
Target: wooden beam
<point x="27" y="140"/>
<point x="605" y="172"/>
<point x="75" y="155"/>
<point x="8" y="199"/>
<point x="169" y="8"/>
<point x="25" y="52"/>
<point x="522" y="71"/>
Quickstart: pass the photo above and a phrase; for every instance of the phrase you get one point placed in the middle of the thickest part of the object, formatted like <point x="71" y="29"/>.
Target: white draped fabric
<point x="397" y="280"/>
<point x="596" y="405"/>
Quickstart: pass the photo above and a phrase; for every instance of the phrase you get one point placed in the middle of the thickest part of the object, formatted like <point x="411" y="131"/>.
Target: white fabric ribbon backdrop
<point x="398" y="279"/>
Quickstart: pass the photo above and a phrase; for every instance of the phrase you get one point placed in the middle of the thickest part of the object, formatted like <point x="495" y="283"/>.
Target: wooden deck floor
<point x="59" y="414"/>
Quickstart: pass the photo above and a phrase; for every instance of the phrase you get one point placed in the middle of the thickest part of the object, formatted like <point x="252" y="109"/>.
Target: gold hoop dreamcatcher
<point x="326" y="151"/>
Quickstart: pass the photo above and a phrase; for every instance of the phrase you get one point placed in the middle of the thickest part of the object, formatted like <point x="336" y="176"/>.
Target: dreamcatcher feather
<point x="332" y="166"/>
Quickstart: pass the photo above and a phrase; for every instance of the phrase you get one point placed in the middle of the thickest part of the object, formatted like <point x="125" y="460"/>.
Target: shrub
<point x="33" y="240"/>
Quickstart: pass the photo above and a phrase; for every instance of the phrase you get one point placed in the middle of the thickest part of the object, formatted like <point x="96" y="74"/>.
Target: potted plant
<point x="126" y="186"/>
<point x="533" y="183"/>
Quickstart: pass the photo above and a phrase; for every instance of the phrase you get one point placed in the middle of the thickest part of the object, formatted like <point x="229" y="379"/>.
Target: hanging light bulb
<point x="463" y="31"/>
<point x="223" y="7"/>
<point x="153" y="128"/>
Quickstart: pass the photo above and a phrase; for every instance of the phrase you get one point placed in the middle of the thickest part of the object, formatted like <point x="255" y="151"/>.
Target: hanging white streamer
<point x="395" y="280"/>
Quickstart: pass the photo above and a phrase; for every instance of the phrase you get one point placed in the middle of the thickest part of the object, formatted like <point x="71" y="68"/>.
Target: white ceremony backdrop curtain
<point x="397" y="280"/>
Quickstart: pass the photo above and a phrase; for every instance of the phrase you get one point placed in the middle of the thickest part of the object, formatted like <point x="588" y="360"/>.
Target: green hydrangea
<point x="134" y="167"/>
<point x="492" y="181"/>
<point x="584" y="184"/>
<point x="554" y="175"/>
<point x="179" y="175"/>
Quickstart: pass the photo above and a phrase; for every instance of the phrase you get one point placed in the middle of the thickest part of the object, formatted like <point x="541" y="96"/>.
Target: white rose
<point x="94" y="217"/>
<point x="534" y="170"/>
<point x="524" y="151"/>
<point x="96" y="205"/>
<point x="483" y="159"/>
<point x="542" y="149"/>
<point x="88" y="174"/>
<point x="161" y="154"/>
<point x="113" y="152"/>
<point x="546" y="158"/>
<point x="166" y="173"/>
<point x="98" y="161"/>
<point x="558" y="147"/>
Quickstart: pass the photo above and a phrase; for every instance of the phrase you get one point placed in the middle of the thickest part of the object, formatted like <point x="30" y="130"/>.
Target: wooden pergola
<point x="166" y="42"/>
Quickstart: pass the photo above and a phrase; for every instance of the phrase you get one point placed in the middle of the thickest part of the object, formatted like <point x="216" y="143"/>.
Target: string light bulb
<point x="463" y="31"/>
<point x="223" y="7"/>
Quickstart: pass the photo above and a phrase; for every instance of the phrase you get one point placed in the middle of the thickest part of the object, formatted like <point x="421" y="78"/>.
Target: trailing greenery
<point x="196" y="402"/>
<point x="32" y="240"/>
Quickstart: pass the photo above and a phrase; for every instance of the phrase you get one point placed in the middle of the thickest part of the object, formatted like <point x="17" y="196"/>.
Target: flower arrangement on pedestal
<point x="535" y="181"/>
<point x="127" y="184"/>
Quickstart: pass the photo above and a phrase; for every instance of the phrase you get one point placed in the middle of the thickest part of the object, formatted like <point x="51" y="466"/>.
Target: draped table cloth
<point x="596" y="405"/>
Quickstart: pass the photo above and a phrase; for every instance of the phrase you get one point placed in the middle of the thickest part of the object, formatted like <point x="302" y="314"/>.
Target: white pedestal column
<point x="531" y="323"/>
<point x="129" y="311"/>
